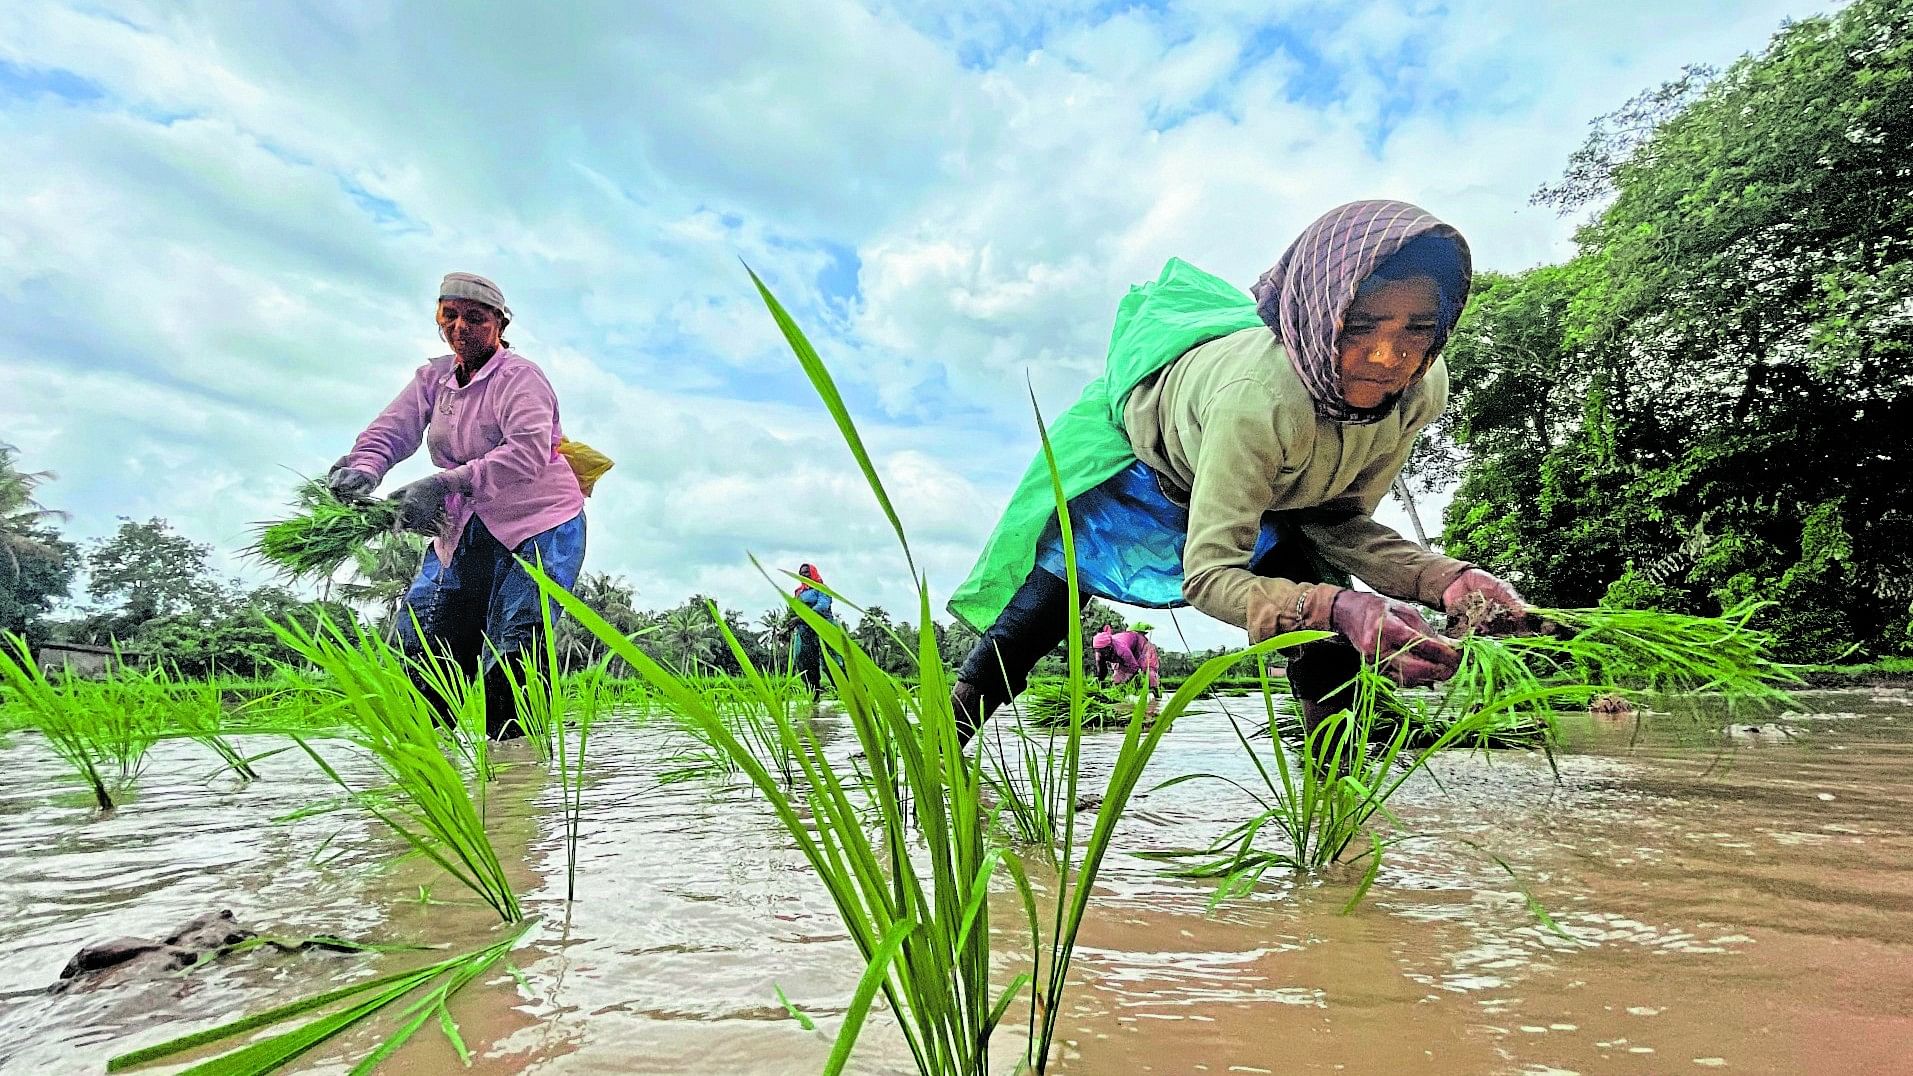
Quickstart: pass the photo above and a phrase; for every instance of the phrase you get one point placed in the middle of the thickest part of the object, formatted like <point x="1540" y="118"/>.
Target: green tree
<point x="24" y="521"/>
<point x="610" y="597"/>
<point x="874" y="632"/>
<point x="1710" y="401"/>
<point x="688" y="637"/>
<point x="44" y="565"/>
<point x="231" y="633"/>
<point x="151" y="571"/>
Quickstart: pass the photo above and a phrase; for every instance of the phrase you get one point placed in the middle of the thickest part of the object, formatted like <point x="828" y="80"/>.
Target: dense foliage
<point x="1711" y="401"/>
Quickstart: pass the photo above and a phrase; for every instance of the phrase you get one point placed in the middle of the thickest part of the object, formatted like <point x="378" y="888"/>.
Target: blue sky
<point x="222" y="232"/>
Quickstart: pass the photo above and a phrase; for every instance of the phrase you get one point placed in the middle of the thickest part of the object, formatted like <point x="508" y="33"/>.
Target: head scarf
<point x="808" y="571"/>
<point x="1304" y="297"/>
<point x="476" y="288"/>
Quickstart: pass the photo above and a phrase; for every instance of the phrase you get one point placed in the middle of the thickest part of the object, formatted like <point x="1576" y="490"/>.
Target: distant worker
<point x="1231" y="457"/>
<point x="1099" y="652"/>
<point x="807" y="650"/>
<point x="1132" y="655"/>
<point x="502" y="490"/>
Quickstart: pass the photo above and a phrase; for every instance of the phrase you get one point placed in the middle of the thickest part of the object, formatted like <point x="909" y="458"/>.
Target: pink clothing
<point x="1131" y="653"/>
<point x="495" y="441"/>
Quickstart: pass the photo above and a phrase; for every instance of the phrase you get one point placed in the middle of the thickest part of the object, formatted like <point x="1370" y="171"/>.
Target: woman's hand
<point x="1484" y="603"/>
<point x="348" y="483"/>
<point x="1394" y="636"/>
<point x="422" y="506"/>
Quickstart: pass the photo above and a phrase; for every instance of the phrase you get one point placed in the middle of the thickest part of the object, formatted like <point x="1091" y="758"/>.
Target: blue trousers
<point x="483" y="609"/>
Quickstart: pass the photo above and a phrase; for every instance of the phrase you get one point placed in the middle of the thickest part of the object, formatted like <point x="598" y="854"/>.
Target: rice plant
<point x="1585" y="653"/>
<point x="1317" y="807"/>
<point x="549" y="708"/>
<point x="588" y="693"/>
<point x="361" y="1001"/>
<point x="324" y="532"/>
<point x="746" y="704"/>
<point x="73" y="727"/>
<point x="906" y="852"/>
<point x="430" y="802"/>
<point x="1025" y="781"/>
<point x="1508" y="688"/>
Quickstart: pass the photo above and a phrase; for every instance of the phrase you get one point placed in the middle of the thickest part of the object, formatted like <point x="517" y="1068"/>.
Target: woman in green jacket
<point x="1231" y="458"/>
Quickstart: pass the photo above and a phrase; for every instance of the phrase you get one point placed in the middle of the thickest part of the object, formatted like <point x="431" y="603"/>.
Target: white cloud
<point x="221" y="266"/>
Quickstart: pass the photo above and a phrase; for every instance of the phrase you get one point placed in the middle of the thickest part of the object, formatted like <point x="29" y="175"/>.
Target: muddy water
<point x="1733" y="898"/>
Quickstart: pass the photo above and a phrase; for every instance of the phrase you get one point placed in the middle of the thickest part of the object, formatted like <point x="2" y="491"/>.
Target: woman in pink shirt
<point x="490" y="421"/>
<point x="1133" y="655"/>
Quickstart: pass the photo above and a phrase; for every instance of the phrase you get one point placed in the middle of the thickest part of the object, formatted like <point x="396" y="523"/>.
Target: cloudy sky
<point x="221" y="231"/>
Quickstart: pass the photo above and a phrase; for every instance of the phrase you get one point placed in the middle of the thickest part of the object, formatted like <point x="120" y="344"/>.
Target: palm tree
<point x="610" y="597"/>
<point x="689" y="635"/>
<point x="774" y="629"/>
<point x="20" y="514"/>
<point x="384" y="570"/>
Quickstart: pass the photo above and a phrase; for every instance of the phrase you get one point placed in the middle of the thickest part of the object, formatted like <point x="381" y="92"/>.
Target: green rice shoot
<point x="324" y="534"/>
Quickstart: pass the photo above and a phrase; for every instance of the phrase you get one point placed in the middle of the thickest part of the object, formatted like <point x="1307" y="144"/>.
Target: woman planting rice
<point x="1132" y="655"/>
<point x="490" y="421"/>
<point x="807" y="651"/>
<point x="1231" y="457"/>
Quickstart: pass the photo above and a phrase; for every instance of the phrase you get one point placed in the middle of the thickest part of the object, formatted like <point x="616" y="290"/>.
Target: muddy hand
<point x="422" y="506"/>
<point x="350" y="483"/>
<point x="1394" y="636"/>
<point x="1480" y="602"/>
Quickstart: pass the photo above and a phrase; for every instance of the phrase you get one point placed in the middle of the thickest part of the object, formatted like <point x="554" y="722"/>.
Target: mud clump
<point x="126" y="959"/>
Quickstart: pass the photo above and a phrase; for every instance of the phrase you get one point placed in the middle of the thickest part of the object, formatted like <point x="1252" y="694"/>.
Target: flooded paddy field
<point x="1736" y="893"/>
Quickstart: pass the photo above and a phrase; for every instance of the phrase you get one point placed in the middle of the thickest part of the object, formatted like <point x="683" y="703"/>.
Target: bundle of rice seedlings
<point x="1586" y="654"/>
<point x="1046" y="703"/>
<point x="324" y="533"/>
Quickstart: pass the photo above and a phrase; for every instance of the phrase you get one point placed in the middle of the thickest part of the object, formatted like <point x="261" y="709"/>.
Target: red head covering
<point x="808" y="571"/>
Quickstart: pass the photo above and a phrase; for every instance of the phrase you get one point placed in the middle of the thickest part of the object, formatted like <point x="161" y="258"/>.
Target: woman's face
<point x="472" y="328"/>
<point x="1385" y="339"/>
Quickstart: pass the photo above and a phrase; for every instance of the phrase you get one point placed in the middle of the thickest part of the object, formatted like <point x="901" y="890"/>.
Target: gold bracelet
<point x="1302" y="600"/>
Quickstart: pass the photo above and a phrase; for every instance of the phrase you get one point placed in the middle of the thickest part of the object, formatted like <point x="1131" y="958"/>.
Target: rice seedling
<point x="1046" y="703"/>
<point x="1587" y="653"/>
<point x="930" y="893"/>
<point x="431" y="804"/>
<point x="324" y="532"/>
<point x="543" y="698"/>
<point x="1025" y="784"/>
<point x="746" y="704"/>
<point x="362" y="1000"/>
<point x="1507" y="690"/>
<point x="588" y="692"/>
<point x="73" y="728"/>
<point x="906" y="851"/>
<point x="191" y="708"/>
<point x="458" y="706"/>
<point x="1347" y="768"/>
